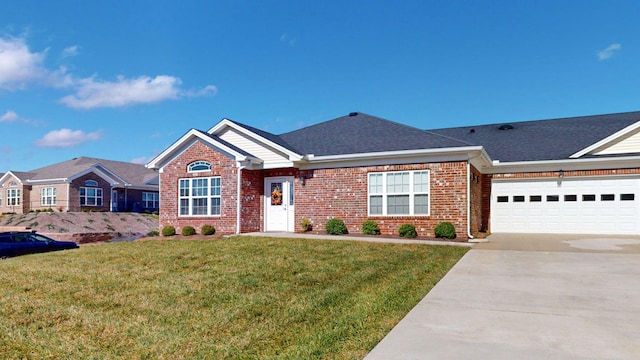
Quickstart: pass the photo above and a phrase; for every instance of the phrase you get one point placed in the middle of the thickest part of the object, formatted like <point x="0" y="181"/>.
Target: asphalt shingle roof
<point x="553" y="139"/>
<point x="135" y="174"/>
<point x="361" y="133"/>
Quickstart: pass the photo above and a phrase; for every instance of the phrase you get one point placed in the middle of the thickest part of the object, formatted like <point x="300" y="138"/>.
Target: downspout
<point x="469" y="200"/>
<point x="238" y="192"/>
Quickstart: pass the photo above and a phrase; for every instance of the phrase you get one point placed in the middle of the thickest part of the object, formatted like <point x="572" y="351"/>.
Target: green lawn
<point x="235" y="298"/>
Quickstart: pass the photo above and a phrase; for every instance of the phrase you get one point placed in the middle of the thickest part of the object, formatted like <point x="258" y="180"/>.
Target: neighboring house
<point x="572" y="175"/>
<point x="81" y="184"/>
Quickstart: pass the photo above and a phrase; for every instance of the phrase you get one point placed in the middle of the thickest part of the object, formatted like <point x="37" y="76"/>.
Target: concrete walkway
<point x="529" y="297"/>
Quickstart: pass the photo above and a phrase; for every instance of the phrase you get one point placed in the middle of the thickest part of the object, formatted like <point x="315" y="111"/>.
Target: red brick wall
<point x="251" y="194"/>
<point x="475" y="186"/>
<point x="74" y="193"/>
<point x="342" y="193"/>
<point x="222" y="166"/>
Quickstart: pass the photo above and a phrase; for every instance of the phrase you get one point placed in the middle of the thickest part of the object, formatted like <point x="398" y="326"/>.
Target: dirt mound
<point x="81" y="225"/>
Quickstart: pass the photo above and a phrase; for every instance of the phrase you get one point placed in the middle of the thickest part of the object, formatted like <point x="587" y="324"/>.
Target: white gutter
<point x="564" y="164"/>
<point x="387" y="154"/>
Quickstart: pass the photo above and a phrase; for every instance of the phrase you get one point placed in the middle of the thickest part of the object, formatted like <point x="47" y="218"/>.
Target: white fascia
<point x="7" y="174"/>
<point x="226" y="122"/>
<point x="392" y="157"/>
<point x="157" y="162"/>
<point x="607" y="140"/>
<point x="111" y="180"/>
<point x="607" y="163"/>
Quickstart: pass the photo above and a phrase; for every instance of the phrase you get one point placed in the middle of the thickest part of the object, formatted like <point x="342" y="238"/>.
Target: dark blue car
<point x="17" y="243"/>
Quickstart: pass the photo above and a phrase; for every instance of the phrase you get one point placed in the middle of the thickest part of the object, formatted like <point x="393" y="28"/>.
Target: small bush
<point x="208" y="230"/>
<point x="407" y="230"/>
<point x="306" y="224"/>
<point x="168" y="230"/>
<point x="336" y="227"/>
<point x="370" y="227"/>
<point x="445" y="230"/>
<point x="153" y="233"/>
<point x="188" y="230"/>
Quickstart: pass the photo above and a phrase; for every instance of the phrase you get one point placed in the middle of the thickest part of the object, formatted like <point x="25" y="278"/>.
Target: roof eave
<point x="607" y="140"/>
<point x="605" y="163"/>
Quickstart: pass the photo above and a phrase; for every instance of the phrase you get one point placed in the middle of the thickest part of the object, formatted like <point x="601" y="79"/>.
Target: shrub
<point x="370" y="227"/>
<point x="153" y="233"/>
<point x="445" y="230"/>
<point x="306" y="224"/>
<point x="407" y="230"/>
<point x="208" y="230"/>
<point x="168" y="230"/>
<point x="336" y="226"/>
<point x="188" y="230"/>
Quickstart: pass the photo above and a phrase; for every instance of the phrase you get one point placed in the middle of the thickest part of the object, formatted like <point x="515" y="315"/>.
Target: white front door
<point x="279" y="201"/>
<point x="114" y="200"/>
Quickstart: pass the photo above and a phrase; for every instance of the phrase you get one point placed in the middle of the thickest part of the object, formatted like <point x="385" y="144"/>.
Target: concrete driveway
<point x="529" y="297"/>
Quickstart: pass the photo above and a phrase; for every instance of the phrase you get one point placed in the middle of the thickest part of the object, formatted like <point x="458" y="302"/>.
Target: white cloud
<point x="92" y="94"/>
<point x="288" y="40"/>
<point x="9" y="116"/>
<point x="609" y="51"/>
<point x="70" y="51"/>
<point x="18" y="65"/>
<point x="142" y="160"/>
<point x="67" y="138"/>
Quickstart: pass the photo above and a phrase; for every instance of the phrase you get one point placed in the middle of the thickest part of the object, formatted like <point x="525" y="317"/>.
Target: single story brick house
<point x="81" y="184"/>
<point x="570" y="175"/>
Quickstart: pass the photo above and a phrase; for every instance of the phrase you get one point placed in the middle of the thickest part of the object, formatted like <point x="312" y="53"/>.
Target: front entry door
<point x="279" y="201"/>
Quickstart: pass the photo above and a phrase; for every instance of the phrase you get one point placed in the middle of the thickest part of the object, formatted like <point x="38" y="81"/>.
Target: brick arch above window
<point x="199" y="165"/>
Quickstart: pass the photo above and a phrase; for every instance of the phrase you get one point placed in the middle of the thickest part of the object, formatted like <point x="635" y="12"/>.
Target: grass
<point x="234" y="298"/>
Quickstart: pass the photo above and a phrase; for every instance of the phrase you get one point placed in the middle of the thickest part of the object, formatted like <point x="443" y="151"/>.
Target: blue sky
<point x="122" y="80"/>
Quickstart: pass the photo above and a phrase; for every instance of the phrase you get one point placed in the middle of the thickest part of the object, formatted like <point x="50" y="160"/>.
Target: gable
<point x="625" y="145"/>
<point x="268" y="154"/>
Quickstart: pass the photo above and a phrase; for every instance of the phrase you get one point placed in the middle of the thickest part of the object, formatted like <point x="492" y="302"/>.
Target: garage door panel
<point x="598" y="208"/>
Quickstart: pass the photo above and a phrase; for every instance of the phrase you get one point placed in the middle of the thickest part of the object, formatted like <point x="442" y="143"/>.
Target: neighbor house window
<point x="199" y="165"/>
<point x="90" y="196"/>
<point x="150" y="200"/>
<point x="199" y="196"/>
<point x="13" y="197"/>
<point x="48" y="196"/>
<point x="399" y="193"/>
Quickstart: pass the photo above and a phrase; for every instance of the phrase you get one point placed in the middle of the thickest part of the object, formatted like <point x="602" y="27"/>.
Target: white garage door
<point x="586" y="206"/>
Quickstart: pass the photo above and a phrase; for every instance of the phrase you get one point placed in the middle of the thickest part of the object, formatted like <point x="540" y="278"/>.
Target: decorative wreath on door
<point x="276" y="197"/>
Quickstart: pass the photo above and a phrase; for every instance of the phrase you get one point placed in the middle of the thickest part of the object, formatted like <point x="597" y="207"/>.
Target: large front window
<point x="90" y="196"/>
<point x="399" y="193"/>
<point x="13" y="197"/>
<point x="48" y="196"/>
<point x="150" y="200"/>
<point x="199" y="196"/>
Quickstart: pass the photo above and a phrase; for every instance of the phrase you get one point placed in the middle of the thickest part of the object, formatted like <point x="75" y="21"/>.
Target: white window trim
<point x="44" y="196"/>
<point x="155" y="200"/>
<point x="411" y="193"/>
<point x="85" y="196"/>
<point x="13" y="194"/>
<point x="190" y="197"/>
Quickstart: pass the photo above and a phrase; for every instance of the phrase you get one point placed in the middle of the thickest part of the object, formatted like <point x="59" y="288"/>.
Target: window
<point x="90" y="183"/>
<point x="503" y="199"/>
<point x="150" y="200"/>
<point x="570" y="198"/>
<point x="588" y="198"/>
<point x="199" y="165"/>
<point x="13" y="197"/>
<point x="535" y="198"/>
<point x="553" y="198"/>
<point x="518" y="198"/>
<point x="48" y="196"/>
<point x="607" y="197"/>
<point x="399" y="193"/>
<point x="90" y="196"/>
<point x="627" y="197"/>
<point x="199" y="196"/>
